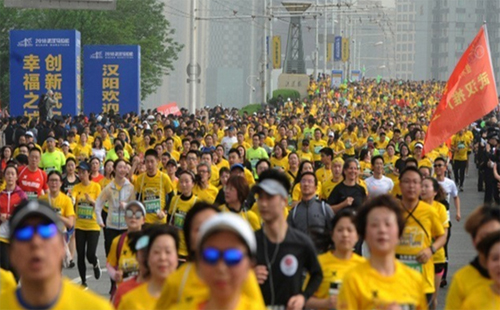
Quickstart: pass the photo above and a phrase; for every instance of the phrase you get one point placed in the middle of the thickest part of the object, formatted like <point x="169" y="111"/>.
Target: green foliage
<point x="285" y="94"/>
<point x="251" y="108"/>
<point x="133" y="23"/>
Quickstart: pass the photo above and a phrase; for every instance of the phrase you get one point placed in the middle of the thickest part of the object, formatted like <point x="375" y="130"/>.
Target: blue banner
<point x="112" y="78"/>
<point x="42" y="60"/>
<point x="337" y="49"/>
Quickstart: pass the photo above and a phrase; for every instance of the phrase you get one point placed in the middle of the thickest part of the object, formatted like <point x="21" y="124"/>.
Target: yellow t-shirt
<point x="83" y="151"/>
<point x="184" y="285"/>
<point x="327" y="188"/>
<point x="244" y="303"/>
<point x="7" y="281"/>
<point x="208" y="194"/>
<point x="85" y="212"/>
<point x="138" y="299"/>
<point x="482" y="298"/>
<point x="323" y="174"/>
<point x="414" y="239"/>
<point x="316" y="146"/>
<point x="465" y="280"/>
<point x="460" y="145"/>
<point x="280" y="163"/>
<point x="62" y="204"/>
<point x="223" y="163"/>
<point x="177" y="212"/>
<point x="440" y="256"/>
<point x="70" y="297"/>
<point x="364" y="288"/>
<point x="152" y="193"/>
<point x="425" y="162"/>
<point x="249" y="216"/>
<point x="126" y="262"/>
<point x="305" y="156"/>
<point x="334" y="270"/>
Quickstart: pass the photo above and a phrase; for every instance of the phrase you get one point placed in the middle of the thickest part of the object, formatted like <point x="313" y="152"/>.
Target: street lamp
<point x="379" y="43"/>
<point x="250" y="85"/>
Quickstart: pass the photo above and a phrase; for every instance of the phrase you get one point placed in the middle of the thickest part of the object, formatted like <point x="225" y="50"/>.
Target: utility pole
<point x="271" y="67"/>
<point x="316" y="49"/>
<point x="333" y="33"/>
<point x="325" y="42"/>
<point x="192" y="67"/>
<point x="264" y="51"/>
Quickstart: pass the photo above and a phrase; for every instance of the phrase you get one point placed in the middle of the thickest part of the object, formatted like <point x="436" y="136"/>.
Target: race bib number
<point x="317" y="149"/>
<point x="179" y="219"/>
<point x="411" y="261"/>
<point x="152" y="205"/>
<point x="461" y="146"/>
<point x="334" y="288"/>
<point x="254" y="162"/>
<point x="85" y="211"/>
<point x="32" y="195"/>
<point x="117" y="219"/>
<point x="49" y="169"/>
<point x="348" y="145"/>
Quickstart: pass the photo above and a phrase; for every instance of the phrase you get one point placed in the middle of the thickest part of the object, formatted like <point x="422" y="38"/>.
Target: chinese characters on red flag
<point x="469" y="94"/>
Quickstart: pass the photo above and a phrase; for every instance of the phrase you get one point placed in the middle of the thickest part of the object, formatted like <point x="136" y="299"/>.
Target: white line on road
<point x="78" y="280"/>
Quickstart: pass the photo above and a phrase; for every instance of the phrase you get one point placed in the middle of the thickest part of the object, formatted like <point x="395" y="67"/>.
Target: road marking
<point x="78" y="280"/>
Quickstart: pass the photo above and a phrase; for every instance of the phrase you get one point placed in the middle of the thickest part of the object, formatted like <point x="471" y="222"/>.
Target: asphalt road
<point x="460" y="247"/>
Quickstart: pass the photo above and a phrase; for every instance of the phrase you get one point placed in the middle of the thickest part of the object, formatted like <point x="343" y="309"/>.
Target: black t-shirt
<point x="342" y="191"/>
<point x="67" y="186"/>
<point x="287" y="264"/>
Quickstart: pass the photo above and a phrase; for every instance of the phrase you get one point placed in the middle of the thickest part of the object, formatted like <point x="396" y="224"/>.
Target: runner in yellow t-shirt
<point x="337" y="262"/>
<point x="371" y="285"/>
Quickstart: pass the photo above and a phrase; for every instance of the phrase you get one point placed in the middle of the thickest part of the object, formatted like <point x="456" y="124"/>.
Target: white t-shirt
<point x="377" y="187"/>
<point x="228" y="142"/>
<point x="449" y="188"/>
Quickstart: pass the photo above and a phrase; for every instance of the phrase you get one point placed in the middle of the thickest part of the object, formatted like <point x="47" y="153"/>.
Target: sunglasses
<point x="129" y="214"/>
<point x="438" y="165"/>
<point x="26" y="233"/>
<point x="231" y="257"/>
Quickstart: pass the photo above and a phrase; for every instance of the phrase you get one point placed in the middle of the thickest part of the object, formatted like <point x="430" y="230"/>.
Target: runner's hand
<point x="424" y="255"/>
<point x="393" y="306"/>
<point x="119" y="276"/>
<point x="261" y="273"/>
<point x="348" y="202"/>
<point x="296" y="302"/>
<point x="161" y="214"/>
<point x="458" y="217"/>
<point x="332" y="302"/>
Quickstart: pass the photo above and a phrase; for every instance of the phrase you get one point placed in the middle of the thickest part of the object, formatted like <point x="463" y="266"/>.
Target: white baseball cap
<point x="228" y="222"/>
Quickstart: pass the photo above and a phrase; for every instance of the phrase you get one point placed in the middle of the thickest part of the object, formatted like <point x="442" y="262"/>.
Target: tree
<point x="132" y="23"/>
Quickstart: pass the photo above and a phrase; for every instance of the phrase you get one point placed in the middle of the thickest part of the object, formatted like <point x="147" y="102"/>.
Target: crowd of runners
<point x="324" y="202"/>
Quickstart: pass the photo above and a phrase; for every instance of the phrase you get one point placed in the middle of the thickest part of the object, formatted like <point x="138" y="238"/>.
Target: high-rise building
<point x="433" y="35"/>
<point x="229" y="54"/>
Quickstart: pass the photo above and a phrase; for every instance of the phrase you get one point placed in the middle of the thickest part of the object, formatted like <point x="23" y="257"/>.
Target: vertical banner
<point x="469" y="94"/>
<point x="112" y="78"/>
<point x="329" y="48"/>
<point x="337" y="78"/>
<point x="337" y="51"/>
<point x="276" y="52"/>
<point x="42" y="60"/>
<point x="345" y="49"/>
<point x="355" y="75"/>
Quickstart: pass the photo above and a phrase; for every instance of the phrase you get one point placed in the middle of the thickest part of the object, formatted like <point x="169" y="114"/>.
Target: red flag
<point x="469" y="94"/>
